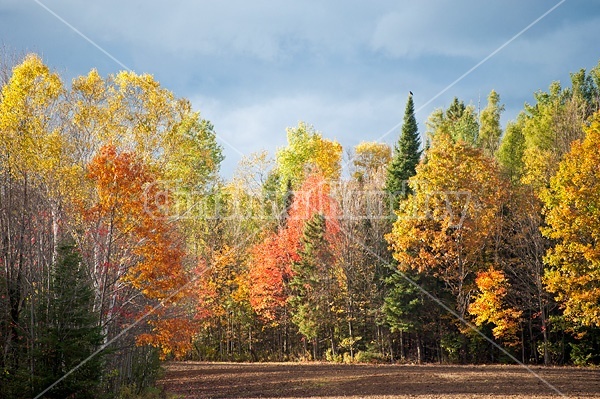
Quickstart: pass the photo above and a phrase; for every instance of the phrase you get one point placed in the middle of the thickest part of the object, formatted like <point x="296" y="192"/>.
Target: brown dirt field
<point x="324" y="380"/>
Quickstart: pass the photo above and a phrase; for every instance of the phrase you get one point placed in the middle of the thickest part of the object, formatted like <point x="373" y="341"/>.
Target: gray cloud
<point x="255" y="68"/>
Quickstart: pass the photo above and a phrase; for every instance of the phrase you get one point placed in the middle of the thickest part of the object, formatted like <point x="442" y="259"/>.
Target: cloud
<point x="559" y="50"/>
<point x="261" y="124"/>
<point x="455" y="29"/>
<point x="263" y="30"/>
<point x="255" y="68"/>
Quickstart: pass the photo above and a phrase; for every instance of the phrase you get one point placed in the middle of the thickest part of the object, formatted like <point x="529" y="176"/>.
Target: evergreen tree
<point x="287" y="204"/>
<point x="456" y="110"/>
<point x="72" y="332"/>
<point x="314" y="286"/>
<point x="403" y="307"/>
<point x="409" y="313"/>
<point x="271" y="200"/>
<point x="406" y="156"/>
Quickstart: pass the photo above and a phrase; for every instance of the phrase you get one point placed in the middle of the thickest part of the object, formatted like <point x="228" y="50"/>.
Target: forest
<point x="121" y="246"/>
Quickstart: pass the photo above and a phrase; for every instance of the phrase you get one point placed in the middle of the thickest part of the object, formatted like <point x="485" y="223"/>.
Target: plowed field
<point x="324" y="380"/>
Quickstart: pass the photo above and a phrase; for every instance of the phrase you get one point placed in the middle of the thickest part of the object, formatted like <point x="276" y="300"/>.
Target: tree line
<point x="121" y="245"/>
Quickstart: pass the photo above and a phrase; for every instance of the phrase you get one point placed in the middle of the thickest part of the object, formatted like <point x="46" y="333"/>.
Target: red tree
<point x="271" y="260"/>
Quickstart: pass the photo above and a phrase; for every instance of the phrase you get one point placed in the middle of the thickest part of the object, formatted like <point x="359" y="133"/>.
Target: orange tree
<point x="133" y="249"/>
<point x="489" y="305"/>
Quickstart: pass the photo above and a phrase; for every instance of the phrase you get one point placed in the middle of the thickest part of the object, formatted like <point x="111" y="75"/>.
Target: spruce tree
<point x="407" y="154"/>
<point x="403" y="307"/>
<point x="288" y="200"/>
<point x="72" y="332"/>
<point x="313" y="285"/>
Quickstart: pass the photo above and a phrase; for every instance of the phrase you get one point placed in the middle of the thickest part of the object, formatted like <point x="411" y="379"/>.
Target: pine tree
<point x="406" y="156"/>
<point x="288" y="200"/>
<point x="402" y="308"/>
<point x="403" y="166"/>
<point x="72" y="332"/>
<point x="408" y="311"/>
<point x="313" y="284"/>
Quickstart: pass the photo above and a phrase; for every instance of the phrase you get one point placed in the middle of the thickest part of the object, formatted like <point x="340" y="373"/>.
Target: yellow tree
<point x="29" y="132"/>
<point x="448" y="228"/>
<point x="146" y="113"/>
<point x="489" y="305"/>
<point x="94" y="117"/>
<point x="222" y="308"/>
<point x="34" y="148"/>
<point x="134" y="113"/>
<point x="572" y="209"/>
<point x="369" y="158"/>
<point x="307" y="149"/>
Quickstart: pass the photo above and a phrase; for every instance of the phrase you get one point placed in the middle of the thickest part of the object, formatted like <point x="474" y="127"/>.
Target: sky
<point x="255" y="68"/>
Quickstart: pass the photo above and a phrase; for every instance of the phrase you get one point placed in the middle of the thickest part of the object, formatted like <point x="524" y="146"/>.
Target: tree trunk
<point x="419" y="354"/>
<point x="401" y="345"/>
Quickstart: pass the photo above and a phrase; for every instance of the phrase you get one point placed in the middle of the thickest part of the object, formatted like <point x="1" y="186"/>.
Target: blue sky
<point x="254" y="68"/>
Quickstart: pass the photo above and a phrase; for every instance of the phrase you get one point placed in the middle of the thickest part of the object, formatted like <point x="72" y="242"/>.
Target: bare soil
<point x="324" y="380"/>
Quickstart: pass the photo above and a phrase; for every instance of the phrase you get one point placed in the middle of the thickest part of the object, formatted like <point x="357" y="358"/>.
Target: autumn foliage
<point x="448" y="226"/>
<point x="111" y="203"/>
<point x="489" y="305"/>
<point x="573" y="216"/>
<point x="151" y="258"/>
<point x="270" y="267"/>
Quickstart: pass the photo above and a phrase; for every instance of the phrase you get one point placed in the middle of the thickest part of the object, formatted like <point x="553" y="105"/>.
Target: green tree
<point x="510" y="153"/>
<point x="192" y="156"/>
<point x="407" y="309"/>
<point x="406" y="155"/>
<point x="315" y="285"/>
<point x="551" y="124"/>
<point x="489" y="125"/>
<point x="73" y="332"/>
<point x="459" y="122"/>
<point x="306" y="150"/>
